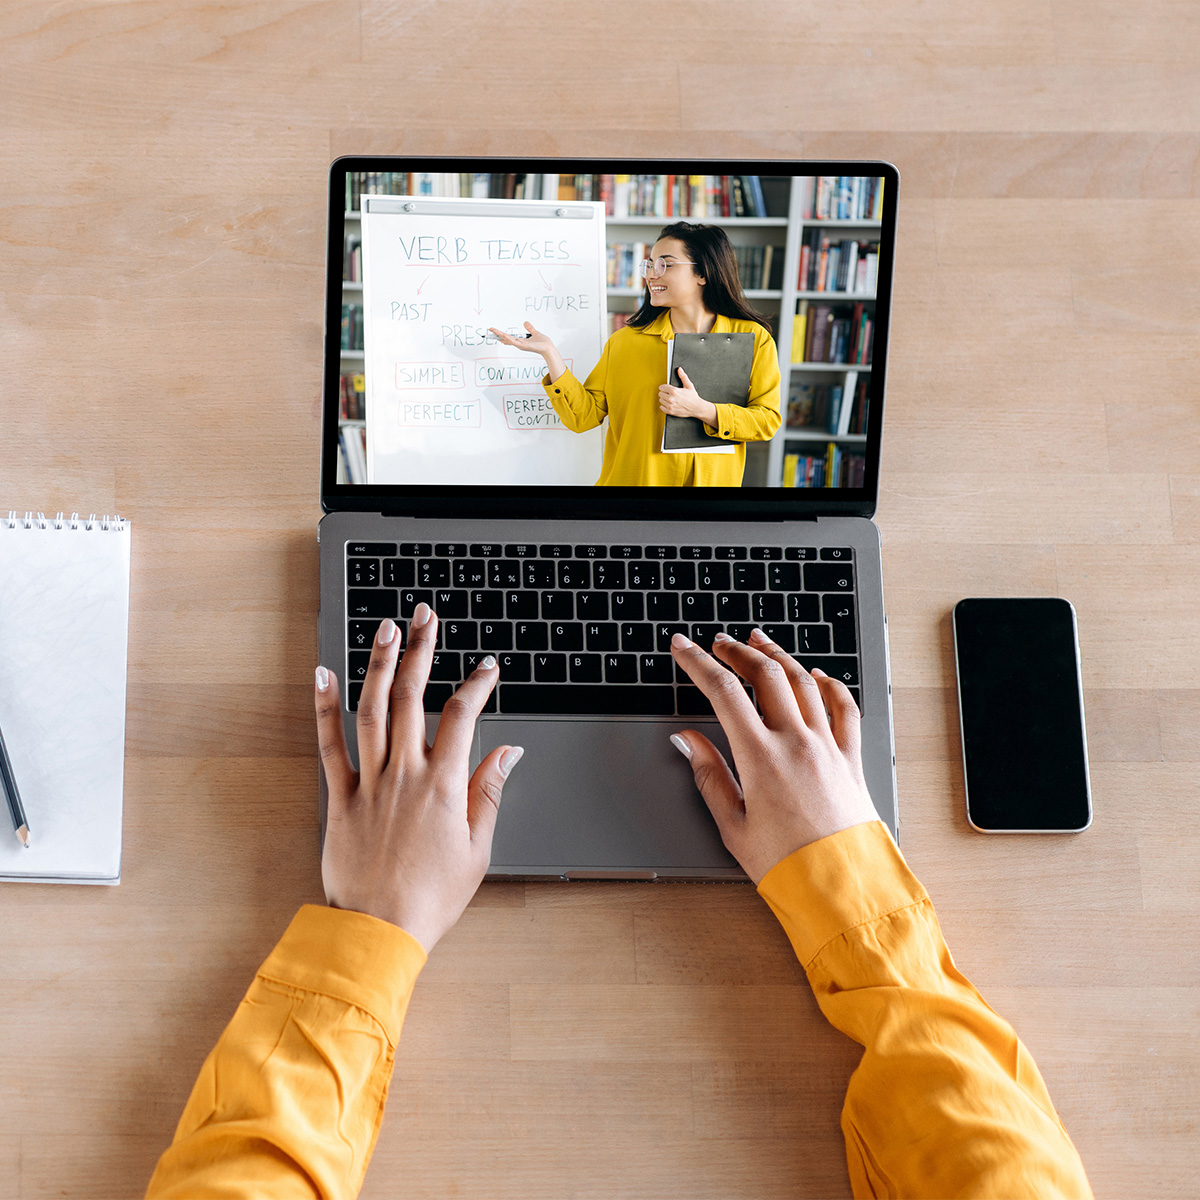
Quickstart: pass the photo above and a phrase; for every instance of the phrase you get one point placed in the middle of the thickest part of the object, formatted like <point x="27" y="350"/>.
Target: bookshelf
<point x="785" y="233"/>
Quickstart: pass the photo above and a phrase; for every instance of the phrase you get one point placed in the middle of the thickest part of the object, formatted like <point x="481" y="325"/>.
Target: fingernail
<point x="486" y="664"/>
<point x="678" y="639"/>
<point x="757" y="635"/>
<point x="322" y="679"/>
<point x="387" y="631"/>
<point x="816" y="671"/>
<point x="722" y="637"/>
<point x="681" y="746"/>
<point x="422" y="614"/>
<point x="509" y="759"/>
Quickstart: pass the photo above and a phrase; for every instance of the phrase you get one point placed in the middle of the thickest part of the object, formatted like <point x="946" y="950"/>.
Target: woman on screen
<point x="692" y="286"/>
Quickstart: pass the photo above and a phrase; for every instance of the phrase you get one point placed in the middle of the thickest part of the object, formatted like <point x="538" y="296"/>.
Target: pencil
<point x="20" y="824"/>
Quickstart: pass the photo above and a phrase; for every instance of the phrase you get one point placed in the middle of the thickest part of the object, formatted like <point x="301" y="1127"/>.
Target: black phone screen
<point x="1021" y="709"/>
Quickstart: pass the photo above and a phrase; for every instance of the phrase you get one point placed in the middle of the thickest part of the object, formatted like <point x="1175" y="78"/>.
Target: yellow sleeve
<point x="581" y="406"/>
<point x="946" y="1100"/>
<point x="290" y="1100"/>
<point x="760" y="417"/>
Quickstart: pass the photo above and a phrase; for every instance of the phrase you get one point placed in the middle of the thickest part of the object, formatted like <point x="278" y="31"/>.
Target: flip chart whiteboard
<point x="446" y="403"/>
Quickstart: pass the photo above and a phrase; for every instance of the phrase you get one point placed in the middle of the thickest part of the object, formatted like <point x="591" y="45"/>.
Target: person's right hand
<point x="536" y="343"/>
<point x="801" y="771"/>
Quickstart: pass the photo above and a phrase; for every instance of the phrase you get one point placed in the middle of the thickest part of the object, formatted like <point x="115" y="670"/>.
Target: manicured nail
<point x="509" y="759"/>
<point x="683" y="643"/>
<point x="486" y="664"/>
<point x="387" y="631"/>
<point x="757" y="635"/>
<point x="723" y="637"/>
<point x="681" y="746"/>
<point x="422" y="614"/>
<point x="322" y="679"/>
<point x="817" y="671"/>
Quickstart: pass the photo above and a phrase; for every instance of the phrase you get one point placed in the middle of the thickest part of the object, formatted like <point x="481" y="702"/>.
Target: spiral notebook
<point x="64" y="628"/>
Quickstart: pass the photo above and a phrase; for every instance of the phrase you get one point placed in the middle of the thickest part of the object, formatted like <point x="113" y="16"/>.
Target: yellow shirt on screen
<point x="946" y="1100"/>
<point x="623" y="386"/>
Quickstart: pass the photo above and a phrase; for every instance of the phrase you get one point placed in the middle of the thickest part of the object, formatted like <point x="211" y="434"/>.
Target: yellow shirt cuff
<point x="359" y="959"/>
<point x="837" y="883"/>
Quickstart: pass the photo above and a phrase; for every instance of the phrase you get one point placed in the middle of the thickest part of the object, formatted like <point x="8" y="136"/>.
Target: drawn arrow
<point x="478" y="297"/>
<point x="423" y="283"/>
<point x="549" y="287"/>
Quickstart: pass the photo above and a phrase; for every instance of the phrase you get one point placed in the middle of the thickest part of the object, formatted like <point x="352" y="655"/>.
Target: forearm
<point x="291" y="1098"/>
<point x="555" y="365"/>
<point x="946" y="1099"/>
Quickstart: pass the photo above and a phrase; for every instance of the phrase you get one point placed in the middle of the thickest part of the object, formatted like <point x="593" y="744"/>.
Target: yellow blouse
<point x="624" y="385"/>
<point x="946" y="1100"/>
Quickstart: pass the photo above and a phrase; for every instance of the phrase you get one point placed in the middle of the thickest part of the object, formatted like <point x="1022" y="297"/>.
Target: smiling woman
<point x="692" y="286"/>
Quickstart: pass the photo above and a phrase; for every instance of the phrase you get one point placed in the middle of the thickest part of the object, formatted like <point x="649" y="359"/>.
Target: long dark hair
<point x="712" y="253"/>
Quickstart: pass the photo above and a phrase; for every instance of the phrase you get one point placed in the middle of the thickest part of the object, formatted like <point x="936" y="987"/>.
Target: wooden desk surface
<point x="162" y="220"/>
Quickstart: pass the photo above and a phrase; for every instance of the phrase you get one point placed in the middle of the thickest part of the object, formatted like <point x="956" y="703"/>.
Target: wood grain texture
<point x="162" y="221"/>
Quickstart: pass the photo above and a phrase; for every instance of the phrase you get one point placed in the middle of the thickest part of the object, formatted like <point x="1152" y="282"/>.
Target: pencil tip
<point x="23" y="834"/>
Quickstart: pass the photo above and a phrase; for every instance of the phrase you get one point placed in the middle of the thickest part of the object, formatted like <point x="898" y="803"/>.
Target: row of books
<point x="834" y="468"/>
<point x="844" y="266"/>
<point x="353" y="396"/>
<point x="841" y="198"/>
<point x="758" y="266"/>
<point x="353" y="322"/>
<point x="352" y="261"/>
<point x="697" y="197"/>
<point x="352" y="454"/>
<point x="475" y="185"/>
<point x="832" y="333"/>
<point x="830" y="407"/>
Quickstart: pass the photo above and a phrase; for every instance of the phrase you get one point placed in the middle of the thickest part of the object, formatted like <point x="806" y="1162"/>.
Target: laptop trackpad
<point x="602" y="795"/>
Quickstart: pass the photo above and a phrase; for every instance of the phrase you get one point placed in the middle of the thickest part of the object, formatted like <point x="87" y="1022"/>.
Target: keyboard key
<point x="661" y="553"/>
<point x="378" y="603"/>
<point x="362" y="572"/>
<point x="566" y="635"/>
<point x="472" y="660"/>
<point x="729" y="552"/>
<point x="572" y="574"/>
<point x="520" y="550"/>
<point x="713" y="577"/>
<point x="839" y="612"/>
<point x="656" y="668"/>
<point x="625" y="552"/>
<point x="486" y="550"/>
<point x="433" y="572"/>
<point x="663" y="634"/>
<point x="449" y="604"/>
<point x="857" y="695"/>
<point x="461" y="635"/>
<point x="703" y="635"/>
<point x="487" y="604"/>
<point x="469" y="573"/>
<point x="630" y="699"/>
<point x="843" y="668"/>
<point x="766" y="606"/>
<point x="697" y="606"/>
<point x="602" y="635"/>
<point x="800" y="553"/>
<point x="514" y="666"/>
<point x="608" y="575"/>
<point x="503" y="573"/>
<point x="555" y="551"/>
<point x="783" y="577"/>
<point x="446" y="664"/>
<point x="828" y="577"/>
<point x="410" y="598"/>
<point x="495" y="635"/>
<point x="355" y="690"/>
<point x="361" y="634"/>
<point x="637" y="637"/>
<point x="740" y="633"/>
<point x="813" y="639"/>
<point x="370" y="549"/>
<point x="547" y="668"/>
<point x="750" y="577"/>
<point x="399" y="572"/>
<point x="535" y="574"/>
<point x="533" y="635"/>
<point x="591" y="551"/>
<point x="663" y="606"/>
<point x="520" y="604"/>
<point x="450" y="549"/>
<point x="620" y="668"/>
<point x="784" y="636"/>
<point x="557" y="606"/>
<point x="835" y="553"/>
<point x="695" y="552"/>
<point x="592" y="606"/>
<point x="436" y="695"/>
<point x="644" y="575"/>
<point x="416" y="549"/>
<point x="803" y="608"/>
<point x="679" y="576"/>
<point x="733" y="606"/>
<point x="692" y="702"/>
<point x="359" y="661"/>
<point x="584" y="668"/>
<point x="764" y="552"/>
<point x="628" y="606"/>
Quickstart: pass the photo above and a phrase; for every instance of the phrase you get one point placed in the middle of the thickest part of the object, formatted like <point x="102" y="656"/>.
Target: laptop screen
<point x="553" y="336"/>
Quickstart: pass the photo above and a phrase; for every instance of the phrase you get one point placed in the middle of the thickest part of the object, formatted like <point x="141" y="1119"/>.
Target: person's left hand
<point x="683" y="401"/>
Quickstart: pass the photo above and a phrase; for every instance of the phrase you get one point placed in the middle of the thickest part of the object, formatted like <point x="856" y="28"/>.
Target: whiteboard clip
<point x="410" y="207"/>
<point x="560" y="212"/>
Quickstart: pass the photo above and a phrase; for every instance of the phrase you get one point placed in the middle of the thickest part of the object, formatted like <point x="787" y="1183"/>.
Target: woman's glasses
<point x="658" y="268"/>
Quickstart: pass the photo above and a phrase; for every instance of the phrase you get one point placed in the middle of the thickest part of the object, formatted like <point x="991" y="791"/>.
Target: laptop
<point x="458" y="469"/>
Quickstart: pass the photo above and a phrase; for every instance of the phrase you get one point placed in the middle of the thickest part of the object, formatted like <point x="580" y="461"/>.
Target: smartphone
<point x="1020" y="707"/>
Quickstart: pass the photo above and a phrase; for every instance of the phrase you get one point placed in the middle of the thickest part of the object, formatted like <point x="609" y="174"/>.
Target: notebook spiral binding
<point x="40" y="521"/>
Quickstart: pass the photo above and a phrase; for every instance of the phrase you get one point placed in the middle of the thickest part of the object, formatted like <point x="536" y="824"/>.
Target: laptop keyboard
<point x="586" y="629"/>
